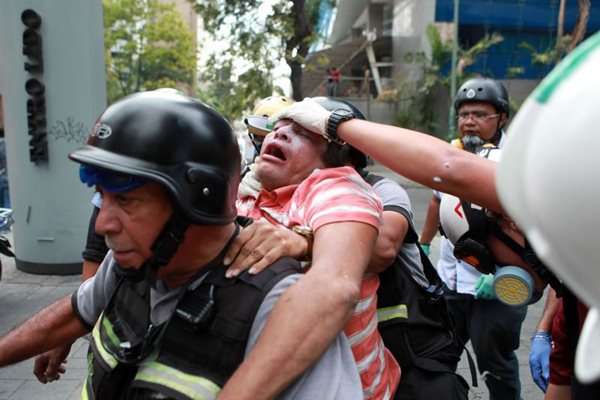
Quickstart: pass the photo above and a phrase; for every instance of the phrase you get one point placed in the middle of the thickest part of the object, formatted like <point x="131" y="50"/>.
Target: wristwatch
<point x="335" y="119"/>
<point x="307" y="233"/>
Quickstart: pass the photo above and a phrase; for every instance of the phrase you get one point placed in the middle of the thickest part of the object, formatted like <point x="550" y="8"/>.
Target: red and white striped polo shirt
<point x="328" y="196"/>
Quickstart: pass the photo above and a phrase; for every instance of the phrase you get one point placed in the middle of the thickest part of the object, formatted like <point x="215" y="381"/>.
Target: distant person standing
<point x="4" y="198"/>
<point x="333" y="81"/>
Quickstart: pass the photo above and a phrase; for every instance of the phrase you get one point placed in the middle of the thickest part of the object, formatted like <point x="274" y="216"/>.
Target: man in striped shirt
<point x="304" y="189"/>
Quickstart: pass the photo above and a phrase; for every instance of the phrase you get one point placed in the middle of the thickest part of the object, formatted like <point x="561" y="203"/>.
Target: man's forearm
<point x="432" y="220"/>
<point x="550" y="308"/>
<point x="302" y="324"/>
<point x="307" y="316"/>
<point x="426" y="160"/>
<point x="558" y="392"/>
<point x="53" y="326"/>
<point x="389" y="241"/>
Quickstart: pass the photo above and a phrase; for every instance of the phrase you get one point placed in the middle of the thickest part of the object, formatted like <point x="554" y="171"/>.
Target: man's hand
<point x="539" y="359"/>
<point x="261" y="244"/>
<point x="50" y="366"/>
<point x="484" y="287"/>
<point x="307" y="113"/>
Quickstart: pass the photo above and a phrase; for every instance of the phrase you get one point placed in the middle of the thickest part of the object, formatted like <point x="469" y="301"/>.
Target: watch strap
<point x="335" y="119"/>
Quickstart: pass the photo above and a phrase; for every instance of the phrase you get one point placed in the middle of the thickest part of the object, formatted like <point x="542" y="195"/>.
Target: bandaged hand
<point x="307" y="113"/>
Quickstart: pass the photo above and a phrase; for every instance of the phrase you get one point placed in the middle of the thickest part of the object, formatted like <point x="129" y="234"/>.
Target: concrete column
<point x="51" y="207"/>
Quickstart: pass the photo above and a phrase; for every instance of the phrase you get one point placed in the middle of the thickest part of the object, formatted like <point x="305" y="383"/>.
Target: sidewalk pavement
<point x="22" y="295"/>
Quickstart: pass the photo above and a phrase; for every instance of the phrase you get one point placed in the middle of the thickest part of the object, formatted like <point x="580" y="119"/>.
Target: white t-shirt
<point x="457" y="275"/>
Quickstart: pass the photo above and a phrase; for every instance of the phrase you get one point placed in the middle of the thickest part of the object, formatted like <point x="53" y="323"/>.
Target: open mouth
<point x="274" y="151"/>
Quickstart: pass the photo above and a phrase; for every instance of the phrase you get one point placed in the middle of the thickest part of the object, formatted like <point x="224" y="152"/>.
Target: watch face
<point x="303" y="230"/>
<point x="344" y="113"/>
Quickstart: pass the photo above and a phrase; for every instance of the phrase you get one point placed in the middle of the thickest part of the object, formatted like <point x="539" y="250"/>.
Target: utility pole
<point x="451" y="125"/>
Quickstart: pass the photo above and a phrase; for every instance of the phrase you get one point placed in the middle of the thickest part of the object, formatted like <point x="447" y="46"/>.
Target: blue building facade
<point x="518" y="21"/>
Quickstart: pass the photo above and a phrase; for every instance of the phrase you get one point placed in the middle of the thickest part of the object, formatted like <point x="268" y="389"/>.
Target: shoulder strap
<point x="370" y="177"/>
<point x="435" y="288"/>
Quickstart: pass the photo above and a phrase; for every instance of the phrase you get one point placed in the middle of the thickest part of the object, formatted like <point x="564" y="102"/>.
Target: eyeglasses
<point x="478" y="116"/>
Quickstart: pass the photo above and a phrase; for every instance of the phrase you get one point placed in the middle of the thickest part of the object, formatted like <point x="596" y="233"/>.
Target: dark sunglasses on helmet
<point x="109" y="180"/>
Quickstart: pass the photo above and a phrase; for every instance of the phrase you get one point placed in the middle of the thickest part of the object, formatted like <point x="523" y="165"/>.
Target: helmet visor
<point x="258" y="125"/>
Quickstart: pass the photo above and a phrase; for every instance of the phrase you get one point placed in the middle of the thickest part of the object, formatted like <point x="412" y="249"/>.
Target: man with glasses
<point x="482" y="110"/>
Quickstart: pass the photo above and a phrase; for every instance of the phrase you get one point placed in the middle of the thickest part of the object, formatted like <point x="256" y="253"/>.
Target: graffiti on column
<point x="70" y="130"/>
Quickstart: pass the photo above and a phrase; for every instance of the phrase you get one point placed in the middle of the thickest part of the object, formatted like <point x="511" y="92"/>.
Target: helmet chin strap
<point x="495" y="140"/>
<point x="163" y="249"/>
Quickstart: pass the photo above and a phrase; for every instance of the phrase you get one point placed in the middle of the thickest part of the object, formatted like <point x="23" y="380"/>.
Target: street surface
<point x="21" y="295"/>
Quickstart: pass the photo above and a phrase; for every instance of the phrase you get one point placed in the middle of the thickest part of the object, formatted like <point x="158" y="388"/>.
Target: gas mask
<point x="468" y="227"/>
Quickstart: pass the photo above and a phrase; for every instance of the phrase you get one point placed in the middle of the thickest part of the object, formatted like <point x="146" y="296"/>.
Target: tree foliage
<point x="147" y="46"/>
<point x="232" y="96"/>
<point x="259" y="34"/>
<point x="565" y="43"/>
<point x="421" y="96"/>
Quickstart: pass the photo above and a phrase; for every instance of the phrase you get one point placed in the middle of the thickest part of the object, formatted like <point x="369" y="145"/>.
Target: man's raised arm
<point x="309" y="315"/>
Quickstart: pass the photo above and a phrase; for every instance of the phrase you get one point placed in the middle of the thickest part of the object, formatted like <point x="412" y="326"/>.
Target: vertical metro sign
<point x="34" y="86"/>
<point x="53" y="87"/>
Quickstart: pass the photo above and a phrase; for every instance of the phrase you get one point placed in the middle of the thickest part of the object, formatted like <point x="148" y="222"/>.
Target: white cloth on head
<point x="307" y="113"/>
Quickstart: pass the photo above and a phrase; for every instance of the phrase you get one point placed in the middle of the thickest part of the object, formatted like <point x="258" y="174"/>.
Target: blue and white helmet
<point x="548" y="182"/>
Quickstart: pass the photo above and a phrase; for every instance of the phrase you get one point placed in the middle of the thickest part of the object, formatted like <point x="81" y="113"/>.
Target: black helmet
<point x="356" y="157"/>
<point x="485" y="90"/>
<point x="176" y="141"/>
<point x="331" y="104"/>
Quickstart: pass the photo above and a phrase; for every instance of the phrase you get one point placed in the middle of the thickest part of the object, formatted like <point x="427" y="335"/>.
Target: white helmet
<point x="549" y="182"/>
<point x="453" y="218"/>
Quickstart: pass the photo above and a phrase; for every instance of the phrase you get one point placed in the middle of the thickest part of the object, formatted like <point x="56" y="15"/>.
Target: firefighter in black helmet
<point x="482" y="109"/>
<point x="165" y="321"/>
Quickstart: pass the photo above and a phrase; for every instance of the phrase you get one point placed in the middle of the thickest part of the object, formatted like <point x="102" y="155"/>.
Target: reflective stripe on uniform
<point x="387" y="313"/>
<point x="106" y="356"/>
<point x="84" y="389"/>
<point x="110" y="333"/>
<point x="195" y="387"/>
